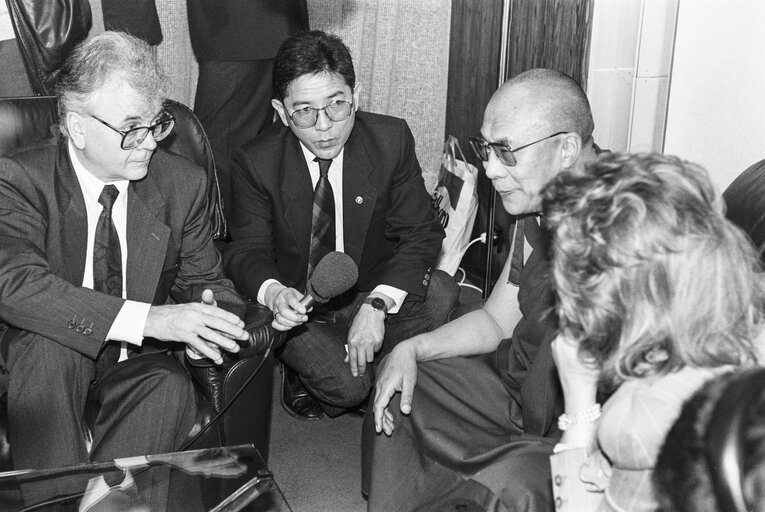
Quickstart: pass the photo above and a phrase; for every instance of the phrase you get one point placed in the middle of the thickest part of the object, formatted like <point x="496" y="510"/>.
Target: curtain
<point x="551" y="34"/>
<point x="400" y="51"/>
<point x="174" y="52"/>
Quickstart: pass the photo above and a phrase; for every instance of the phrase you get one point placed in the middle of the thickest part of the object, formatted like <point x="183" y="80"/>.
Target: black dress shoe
<point x="296" y="400"/>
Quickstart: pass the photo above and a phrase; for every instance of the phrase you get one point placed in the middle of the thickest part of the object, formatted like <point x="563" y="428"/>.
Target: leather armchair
<point x="25" y="121"/>
<point x="745" y="203"/>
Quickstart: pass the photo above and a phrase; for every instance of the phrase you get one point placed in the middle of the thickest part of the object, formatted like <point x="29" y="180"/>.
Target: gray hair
<point x="107" y="55"/>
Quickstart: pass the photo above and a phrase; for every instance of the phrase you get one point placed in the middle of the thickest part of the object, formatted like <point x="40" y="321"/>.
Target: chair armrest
<point x="212" y="378"/>
<point x="257" y="322"/>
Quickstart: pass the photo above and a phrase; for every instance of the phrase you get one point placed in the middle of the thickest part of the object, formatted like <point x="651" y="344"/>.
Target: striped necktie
<point x="323" y="220"/>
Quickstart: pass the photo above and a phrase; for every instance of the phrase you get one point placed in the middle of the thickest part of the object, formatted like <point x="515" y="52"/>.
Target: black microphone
<point x="334" y="275"/>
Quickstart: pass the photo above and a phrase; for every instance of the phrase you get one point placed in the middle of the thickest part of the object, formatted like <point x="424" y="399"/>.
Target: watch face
<point x="378" y="304"/>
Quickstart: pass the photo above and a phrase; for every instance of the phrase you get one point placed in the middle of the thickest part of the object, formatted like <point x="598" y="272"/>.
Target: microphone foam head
<point x="335" y="274"/>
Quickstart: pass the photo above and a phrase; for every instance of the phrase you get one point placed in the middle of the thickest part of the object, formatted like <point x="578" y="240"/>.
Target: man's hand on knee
<point x="365" y="337"/>
<point x="396" y="373"/>
<point x="203" y="326"/>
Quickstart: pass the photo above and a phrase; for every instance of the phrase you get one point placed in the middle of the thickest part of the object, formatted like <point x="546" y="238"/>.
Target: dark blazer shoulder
<point x="40" y="155"/>
<point x="269" y="141"/>
<point x="380" y="130"/>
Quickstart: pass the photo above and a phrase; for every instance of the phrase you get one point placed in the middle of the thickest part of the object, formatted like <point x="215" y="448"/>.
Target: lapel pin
<point x="359" y="200"/>
<point x="155" y="236"/>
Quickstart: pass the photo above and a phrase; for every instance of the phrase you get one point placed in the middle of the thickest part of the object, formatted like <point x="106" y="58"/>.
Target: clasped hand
<point x="286" y="306"/>
<point x="203" y="326"/>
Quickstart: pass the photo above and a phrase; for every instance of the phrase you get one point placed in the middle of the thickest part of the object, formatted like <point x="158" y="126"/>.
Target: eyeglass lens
<point x="336" y="111"/>
<point x="136" y="136"/>
<point x="482" y="148"/>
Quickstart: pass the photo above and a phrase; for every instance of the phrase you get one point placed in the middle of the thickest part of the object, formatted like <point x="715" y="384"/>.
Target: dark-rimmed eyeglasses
<point x="338" y="110"/>
<point x="133" y="137"/>
<point x="504" y="153"/>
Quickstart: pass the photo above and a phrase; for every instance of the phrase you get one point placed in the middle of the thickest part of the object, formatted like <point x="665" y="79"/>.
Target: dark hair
<point x="683" y="478"/>
<point x="310" y="53"/>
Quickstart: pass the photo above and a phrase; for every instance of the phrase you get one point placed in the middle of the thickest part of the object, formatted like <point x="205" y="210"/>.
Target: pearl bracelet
<point x="589" y="415"/>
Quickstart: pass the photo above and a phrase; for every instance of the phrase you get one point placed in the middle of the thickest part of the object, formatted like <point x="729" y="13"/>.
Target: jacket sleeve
<point x="200" y="262"/>
<point x="411" y="223"/>
<point x="250" y="259"/>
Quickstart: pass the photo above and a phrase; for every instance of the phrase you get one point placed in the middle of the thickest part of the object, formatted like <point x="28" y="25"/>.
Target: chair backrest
<point x="745" y="203"/>
<point x="30" y="120"/>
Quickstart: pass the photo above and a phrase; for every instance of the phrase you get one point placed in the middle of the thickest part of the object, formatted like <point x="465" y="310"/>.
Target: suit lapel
<point x="147" y="238"/>
<point x="297" y="195"/>
<point x="359" y="195"/>
<point x="74" y="218"/>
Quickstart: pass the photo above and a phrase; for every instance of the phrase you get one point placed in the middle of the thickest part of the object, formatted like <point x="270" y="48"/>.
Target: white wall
<point x="716" y="114"/>
<point x="630" y="63"/>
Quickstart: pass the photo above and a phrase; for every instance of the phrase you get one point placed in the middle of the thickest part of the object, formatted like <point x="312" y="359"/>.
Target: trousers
<point x="316" y="350"/>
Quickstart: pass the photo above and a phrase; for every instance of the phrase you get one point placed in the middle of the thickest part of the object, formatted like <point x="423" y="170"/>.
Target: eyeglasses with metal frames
<point x="133" y="137"/>
<point x="504" y="153"/>
<point x="338" y="110"/>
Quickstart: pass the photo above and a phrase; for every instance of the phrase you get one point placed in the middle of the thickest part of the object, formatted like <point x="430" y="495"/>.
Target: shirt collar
<point x="310" y="156"/>
<point x="90" y="185"/>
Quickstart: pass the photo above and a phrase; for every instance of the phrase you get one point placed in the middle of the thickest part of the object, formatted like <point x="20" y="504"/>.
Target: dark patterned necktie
<point x="323" y="221"/>
<point x="107" y="257"/>
<point x="107" y="263"/>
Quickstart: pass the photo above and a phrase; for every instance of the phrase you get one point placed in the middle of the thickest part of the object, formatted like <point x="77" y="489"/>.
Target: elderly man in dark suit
<point x="476" y="433"/>
<point x="332" y="178"/>
<point x="105" y="258"/>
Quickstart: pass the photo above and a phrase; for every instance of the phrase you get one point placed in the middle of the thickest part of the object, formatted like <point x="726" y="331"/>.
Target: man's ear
<point x="571" y="149"/>
<point x="281" y="110"/>
<point x="356" y="96"/>
<point x="75" y="126"/>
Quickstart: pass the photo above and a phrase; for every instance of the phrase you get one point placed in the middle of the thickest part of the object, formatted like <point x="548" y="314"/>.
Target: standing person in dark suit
<point x="369" y="195"/>
<point x="106" y="257"/>
<point x="477" y="432"/>
<point x="136" y="17"/>
<point x="235" y="42"/>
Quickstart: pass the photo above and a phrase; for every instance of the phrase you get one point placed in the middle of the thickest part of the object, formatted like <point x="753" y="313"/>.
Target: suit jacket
<point x="225" y="30"/>
<point x="390" y="227"/>
<point x="136" y="17"/>
<point x="43" y="238"/>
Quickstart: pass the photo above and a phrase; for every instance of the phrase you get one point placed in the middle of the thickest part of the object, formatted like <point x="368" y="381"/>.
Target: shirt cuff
<point x="397" y="295"/>
<point x="262" y="291"/>
<point x="130" y="323"/>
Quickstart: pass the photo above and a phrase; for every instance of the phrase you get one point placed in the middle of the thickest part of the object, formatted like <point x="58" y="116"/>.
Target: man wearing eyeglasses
<point x="106" y="262"/>
<point x="476" y="433"/>
<point x="333" y="178"/>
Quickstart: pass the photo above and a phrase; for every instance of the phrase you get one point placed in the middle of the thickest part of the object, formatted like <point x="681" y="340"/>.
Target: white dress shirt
<point x="335" y="176"/>
<point x="129" y="324"/>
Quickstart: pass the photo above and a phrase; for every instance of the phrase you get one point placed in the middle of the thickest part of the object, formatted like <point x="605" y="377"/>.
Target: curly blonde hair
<point x="650" y="275"/>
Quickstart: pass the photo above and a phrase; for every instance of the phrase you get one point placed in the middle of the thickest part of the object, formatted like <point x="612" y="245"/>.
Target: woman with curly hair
<point x="657" y="293"/>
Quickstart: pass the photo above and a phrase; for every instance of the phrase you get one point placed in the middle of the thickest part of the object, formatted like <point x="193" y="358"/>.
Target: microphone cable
<point x="228" y="404"/>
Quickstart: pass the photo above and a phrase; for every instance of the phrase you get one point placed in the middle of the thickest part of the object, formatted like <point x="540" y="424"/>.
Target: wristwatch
<point x="378" y="304"/>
